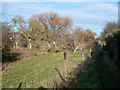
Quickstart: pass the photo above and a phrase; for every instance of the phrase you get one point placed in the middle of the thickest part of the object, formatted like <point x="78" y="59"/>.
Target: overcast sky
<point x="92" y="15"/>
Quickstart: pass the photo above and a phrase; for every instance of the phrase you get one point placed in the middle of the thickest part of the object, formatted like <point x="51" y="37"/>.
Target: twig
<point x="60" y="75"/>
<point x="19" y="86"/>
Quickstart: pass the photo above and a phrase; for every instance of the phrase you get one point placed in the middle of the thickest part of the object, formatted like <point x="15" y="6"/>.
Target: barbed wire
<point x="23" y="69"/>
<point x="47" y="66"/>
<point x="37" y="77"/>
<point x="28" y="74"/>
<point x="50" y="75"/>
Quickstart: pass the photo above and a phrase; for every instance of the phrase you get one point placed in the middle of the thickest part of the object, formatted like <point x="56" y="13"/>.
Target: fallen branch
<point x="19" y="86"/>
<point x="60" y="75"/>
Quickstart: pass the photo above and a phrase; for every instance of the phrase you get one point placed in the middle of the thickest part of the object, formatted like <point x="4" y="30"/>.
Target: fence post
<point x="83" y="56"/>
<point x="90" y="52"/>
<point x="64" y="55"/>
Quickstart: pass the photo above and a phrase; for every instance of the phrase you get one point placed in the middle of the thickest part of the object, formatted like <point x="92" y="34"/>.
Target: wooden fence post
<point x="83" y="56"/>
<point x="90" y="52"/>
<point x="65" y="55"/>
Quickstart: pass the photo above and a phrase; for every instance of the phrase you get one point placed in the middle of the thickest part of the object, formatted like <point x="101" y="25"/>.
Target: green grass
<point x="36" y="72"/>
<point x="102" y="73"/>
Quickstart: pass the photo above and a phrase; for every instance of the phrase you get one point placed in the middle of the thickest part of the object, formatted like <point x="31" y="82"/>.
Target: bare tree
<point x="78" y="37"/>
<point x="31" y="32"/>
<point x="109" y="29"/>
<point x="53" y="25"/>
<point x="81" y="37"/>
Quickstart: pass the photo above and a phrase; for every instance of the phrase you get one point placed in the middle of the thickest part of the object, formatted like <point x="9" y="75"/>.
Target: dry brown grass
<point x="27" y="54"/>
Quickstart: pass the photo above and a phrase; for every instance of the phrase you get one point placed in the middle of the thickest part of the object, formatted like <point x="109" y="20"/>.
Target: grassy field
<point x="39" y="71"/>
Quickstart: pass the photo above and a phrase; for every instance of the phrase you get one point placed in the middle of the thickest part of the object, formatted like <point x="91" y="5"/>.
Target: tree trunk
<point x="54" y="44"/>
<point x="83" y="56"/>
<point x="16" y="45"/>
<point x="76" y="48"/>
<point x="48" y="45"/>
<point x="30" y="45"/>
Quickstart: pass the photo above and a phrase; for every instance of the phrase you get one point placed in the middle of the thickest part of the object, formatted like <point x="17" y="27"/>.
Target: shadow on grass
<point x="101" y="73"/>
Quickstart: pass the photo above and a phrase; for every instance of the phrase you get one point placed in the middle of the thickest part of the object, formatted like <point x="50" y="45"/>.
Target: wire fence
<point x="30" y="73"/>
<point x="23" y="68"/>
<point x="48" y="76"/>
